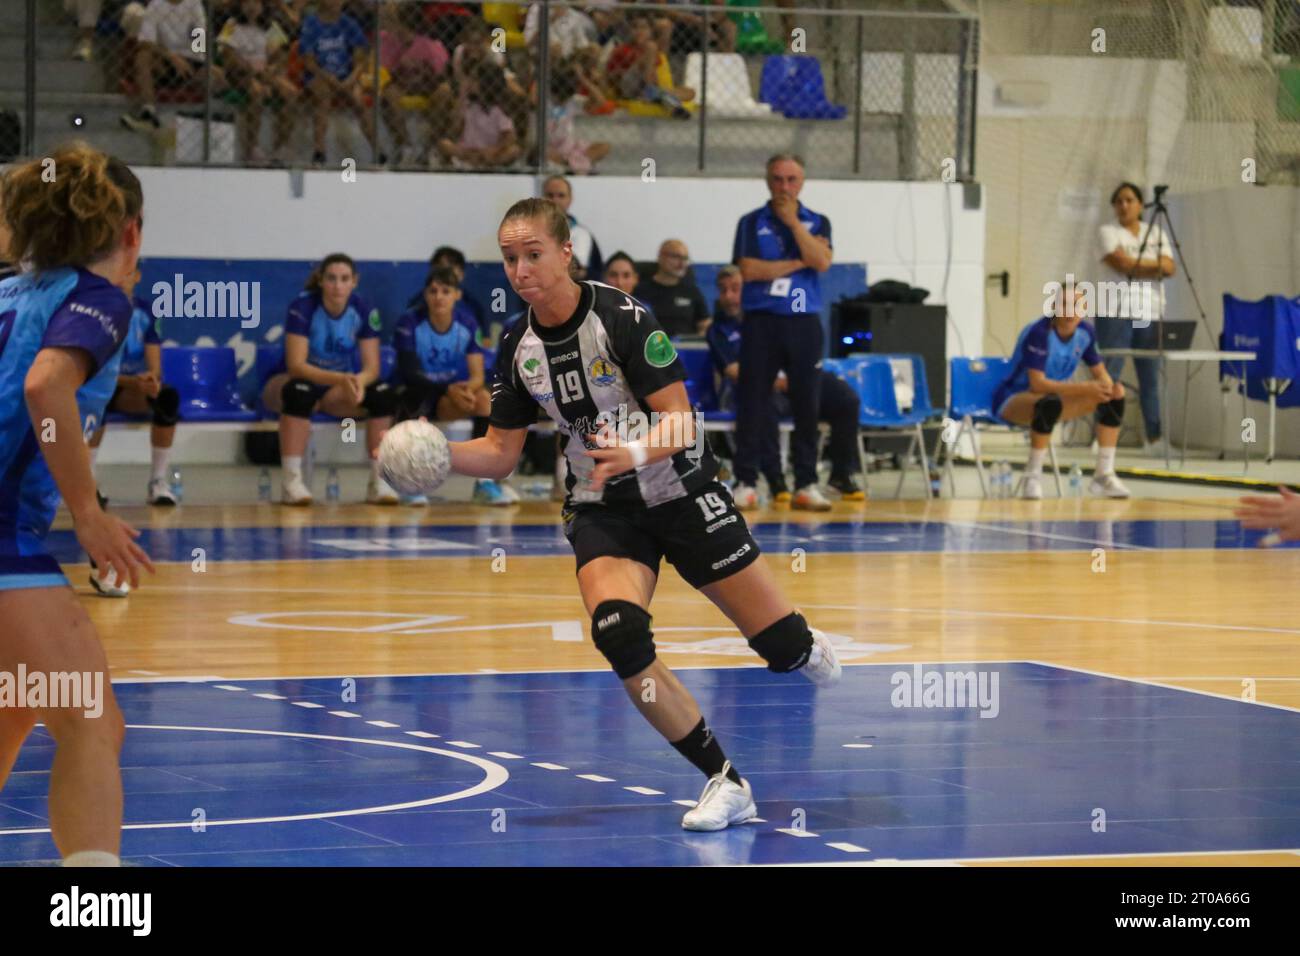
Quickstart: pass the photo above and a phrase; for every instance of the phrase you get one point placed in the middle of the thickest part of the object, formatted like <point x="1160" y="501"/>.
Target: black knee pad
<point x="621" y="631"/>
<point x="785" y="645"/>
<point x="380" y="400"/>
<point x="1111" y="413"/>
<point x="1047" y="412"/>
<point x="166" y="406"/>
<point x="298" y="398"/>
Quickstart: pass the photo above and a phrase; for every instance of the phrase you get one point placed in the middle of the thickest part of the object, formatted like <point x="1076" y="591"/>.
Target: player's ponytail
<point x="318" y="273"/>
<point x="69" y="208"/>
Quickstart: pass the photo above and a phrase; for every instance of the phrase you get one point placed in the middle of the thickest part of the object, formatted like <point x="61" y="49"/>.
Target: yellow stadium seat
<point x="509" y="17"/>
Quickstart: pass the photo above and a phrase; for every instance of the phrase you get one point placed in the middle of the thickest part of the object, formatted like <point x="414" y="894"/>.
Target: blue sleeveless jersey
<point x="332" y="340"/>
<point x="441" y="354"/>
<point x="59" y="308"/>
<point x="1039" y="347"/>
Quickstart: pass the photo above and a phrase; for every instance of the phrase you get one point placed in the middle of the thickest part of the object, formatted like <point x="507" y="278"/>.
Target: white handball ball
<point x="414" y="457"/>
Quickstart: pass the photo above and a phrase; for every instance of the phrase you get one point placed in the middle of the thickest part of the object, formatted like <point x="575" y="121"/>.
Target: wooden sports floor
<point x="354" y="685"/>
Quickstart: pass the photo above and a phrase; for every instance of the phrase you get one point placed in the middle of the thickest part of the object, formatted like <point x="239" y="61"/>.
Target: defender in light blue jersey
<point x="332" y="362"/>
<point x="141" y="391"/>
<point x="1038" y="391"/>
<point x="62" y="325"/>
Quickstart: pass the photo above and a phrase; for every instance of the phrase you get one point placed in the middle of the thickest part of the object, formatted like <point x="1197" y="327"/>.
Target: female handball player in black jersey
<point x="581" y="351"/>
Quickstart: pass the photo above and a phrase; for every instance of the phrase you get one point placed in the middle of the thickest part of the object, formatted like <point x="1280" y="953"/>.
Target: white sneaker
<point x="721" y="804"/>
<point x="1155" y="449"/>
<point x="294" y="491"/>
<point x="508" y="494"/>
<point x="1107" y="486"/>
<point x="415" y="501"/>
<point x="104" y="581"/>
<point x="1032" y="489"/>
<point x="160" y="492"/>
<point x="810" y="498"/>
<point x="379" y="492"/>
<point x="745" y="497"/>
<point x="823" y="664"/>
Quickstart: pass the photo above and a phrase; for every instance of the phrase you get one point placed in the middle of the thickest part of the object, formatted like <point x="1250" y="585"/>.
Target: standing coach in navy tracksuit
<point x="780" y="249"/>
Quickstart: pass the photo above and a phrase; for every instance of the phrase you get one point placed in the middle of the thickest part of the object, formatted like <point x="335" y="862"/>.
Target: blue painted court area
<point x="558" y="769"/>
<point x="419" y="541"/>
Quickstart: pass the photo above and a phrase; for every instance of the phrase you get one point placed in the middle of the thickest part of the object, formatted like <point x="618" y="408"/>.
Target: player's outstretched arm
<point x="50" y="390"/>
<point x="492" y="456"/>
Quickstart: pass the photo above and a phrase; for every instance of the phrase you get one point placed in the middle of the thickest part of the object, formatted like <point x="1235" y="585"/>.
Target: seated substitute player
<point x="62" y="323"/>
<point x="1038" y="392"/>
<point x="328" y="324"/>
<point x="581" y="351"/>
<point x="140" y="391"/>
<point x="838" y="404"/>
<point x="441" y="367"/>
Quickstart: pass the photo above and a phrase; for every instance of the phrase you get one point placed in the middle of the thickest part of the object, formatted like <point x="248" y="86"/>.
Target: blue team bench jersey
<point x="441" y="354"/>
<point x="1039" y="347"/>
<point x="143" y="331"/>
<point x="63" y="308"/>
<point x="332" y="340"/>
<point x="761" y="235"/>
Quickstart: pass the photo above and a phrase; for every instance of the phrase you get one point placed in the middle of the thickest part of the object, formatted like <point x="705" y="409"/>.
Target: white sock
<point x="1105" y="461"/>
<point x="292" y="465"/>
<point x="1035" y="464"/>
<point x="94" y="453"/>
<point x="158" y="457"/>
<point x="91" y="858"/>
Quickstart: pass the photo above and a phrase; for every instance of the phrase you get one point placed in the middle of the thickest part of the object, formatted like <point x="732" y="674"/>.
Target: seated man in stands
<point x="672" y="293"/>
<point x="165" y="57"/>
<point x="838" y="402"/>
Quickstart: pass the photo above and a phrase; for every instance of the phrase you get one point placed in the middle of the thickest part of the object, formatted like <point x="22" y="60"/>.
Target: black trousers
<point x="768" y="344"/>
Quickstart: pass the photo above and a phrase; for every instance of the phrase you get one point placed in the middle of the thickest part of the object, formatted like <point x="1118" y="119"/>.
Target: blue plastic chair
<point x="701" y="385"/>
<point x="794" y="86"/>
<point x="207" y="380"/>
<point x="880" y="415"/>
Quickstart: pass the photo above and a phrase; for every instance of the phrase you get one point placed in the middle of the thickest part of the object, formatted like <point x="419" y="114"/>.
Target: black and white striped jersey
<point x="595" y="368"/>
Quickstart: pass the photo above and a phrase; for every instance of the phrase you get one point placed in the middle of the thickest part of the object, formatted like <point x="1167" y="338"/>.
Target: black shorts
<point x="702" y="535"/>
<point x="318" y="392"/>
<point x="416" y="399"/>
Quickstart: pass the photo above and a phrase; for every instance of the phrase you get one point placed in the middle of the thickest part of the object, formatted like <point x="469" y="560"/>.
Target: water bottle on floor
<point x="332" y="485"/>
<point x="264" y="485"/>
<point x="1076" y="481"/>
<point x="178" y="489"/>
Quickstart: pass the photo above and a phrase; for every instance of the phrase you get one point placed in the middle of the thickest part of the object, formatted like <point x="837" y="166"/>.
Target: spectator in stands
<point x="620" y="272"/>
<point x="1129" y="326"/>
<point x="288" y="14"/>
<point x="441" y="368"/>
<point x="486" y="135"/>
<point x="593" y="82"/>
<point x="609" y="22"/>
<point x="329" y="43"/>
<point x="328" y="327"/>
<point x="563" y="144"/>
<point x="781" y="248"/>
<point x="679" y="32"/>
<point x="165" y="57"/>
<point x="1038" y="391"/>
<point x="569" y="30"/>
<point x="141" y="391"/>
<point x="253" y="50"/>
<point x="445" y="22"/>
<point x="449" y="99"/>
<point x="839" y="403"/>
<point x="586" y="251"/>
<point x="415" y="65"/>
<point x="672" y="294"/>
<point x="87" y="14"/>
<point x="636" y="68"/>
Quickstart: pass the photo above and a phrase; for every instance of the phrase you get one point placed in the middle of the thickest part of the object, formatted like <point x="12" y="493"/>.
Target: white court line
<point x="961" y="861"/>
<point x="494" y="776"/>
<point x="1150" y="682"/>
<point x="791" y="831"/>
<point x="1025" y="532"/>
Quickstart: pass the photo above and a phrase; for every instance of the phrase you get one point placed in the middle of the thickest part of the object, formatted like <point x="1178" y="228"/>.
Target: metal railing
<point x="645" y="88"/>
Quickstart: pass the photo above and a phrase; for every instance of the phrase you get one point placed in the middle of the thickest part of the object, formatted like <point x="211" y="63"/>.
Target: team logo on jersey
<point x="376" y="322"/>
<point x="601" y="371"/>
<point x="533" y="367"/>
<point x="659" y="351"/>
